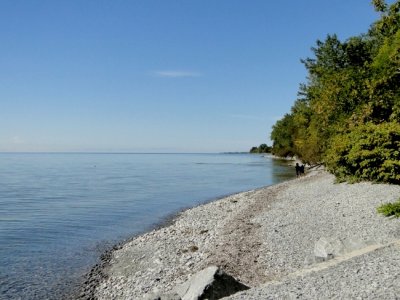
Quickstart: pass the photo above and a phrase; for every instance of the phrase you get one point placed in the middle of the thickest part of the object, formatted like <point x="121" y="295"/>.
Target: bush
<point x="368" y="152"/>
<point x="390" y="209"/>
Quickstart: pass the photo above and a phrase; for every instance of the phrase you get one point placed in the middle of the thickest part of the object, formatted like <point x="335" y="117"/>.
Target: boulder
<point x="328" y="248"/>
<point x="211" y="283"/>
<point x="325" y="249"/>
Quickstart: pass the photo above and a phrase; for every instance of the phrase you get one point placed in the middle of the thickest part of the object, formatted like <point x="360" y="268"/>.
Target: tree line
<point x="263" y="148"/>
<point x="347" y="114"/>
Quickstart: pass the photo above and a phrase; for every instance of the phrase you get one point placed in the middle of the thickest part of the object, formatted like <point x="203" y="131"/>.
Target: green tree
<point x="352" y="96"/>
<point x="263" y="148"/>
<point x="254" y="150"/>
<point x="368" y="152"/>
<point x="282" y="136"/>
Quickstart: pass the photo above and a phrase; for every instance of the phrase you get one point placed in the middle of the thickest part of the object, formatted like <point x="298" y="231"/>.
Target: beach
<point x="305" y="238"/>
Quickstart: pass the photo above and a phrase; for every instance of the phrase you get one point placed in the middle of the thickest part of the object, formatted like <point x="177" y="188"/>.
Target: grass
<point x="390" y="209"/>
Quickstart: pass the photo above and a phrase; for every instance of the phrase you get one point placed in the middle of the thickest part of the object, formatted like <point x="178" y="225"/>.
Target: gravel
<point x="266" y="238"/>
<point x="374" y="275"/>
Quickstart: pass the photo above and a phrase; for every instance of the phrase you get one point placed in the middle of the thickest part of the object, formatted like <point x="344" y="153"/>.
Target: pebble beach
<point x="307" y="238"/>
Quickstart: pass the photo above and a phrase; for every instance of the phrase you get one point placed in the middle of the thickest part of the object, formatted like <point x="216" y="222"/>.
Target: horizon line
<point x="103" y="152"/>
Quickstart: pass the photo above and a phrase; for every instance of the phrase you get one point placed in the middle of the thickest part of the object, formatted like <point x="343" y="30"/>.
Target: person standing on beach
<point x="298" y="170"/>
<point x="302" y="170"/>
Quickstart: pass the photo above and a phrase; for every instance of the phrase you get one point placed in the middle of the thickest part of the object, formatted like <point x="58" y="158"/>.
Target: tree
<point x="352" y="95"/>
<point x="369" y="152"/>
<point x="263" y="148"/>
<point x="282" y="136"/>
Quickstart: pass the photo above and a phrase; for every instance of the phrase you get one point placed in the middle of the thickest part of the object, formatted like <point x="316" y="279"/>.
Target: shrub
<point x="368" y="152"/>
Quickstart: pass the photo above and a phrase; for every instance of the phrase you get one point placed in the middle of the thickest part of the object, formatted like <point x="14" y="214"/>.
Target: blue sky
<point x="157" y="76"/>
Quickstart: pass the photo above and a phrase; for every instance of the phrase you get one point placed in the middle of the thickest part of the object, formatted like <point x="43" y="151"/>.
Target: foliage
<point x="369" y="152"/>
<point x="348" y="111"/>
<point x="282" y="133"/>
<point x="390" y="209"/>
<point x="263" y="148"/>
<point x="380" y="5"/>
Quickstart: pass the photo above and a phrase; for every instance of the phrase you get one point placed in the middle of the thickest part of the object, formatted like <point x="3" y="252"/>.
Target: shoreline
<point x="90" y="280"/>
<point x="259" y="237"/>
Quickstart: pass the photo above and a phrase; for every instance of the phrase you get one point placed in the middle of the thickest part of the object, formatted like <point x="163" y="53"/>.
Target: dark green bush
<point x="368" y="152"/>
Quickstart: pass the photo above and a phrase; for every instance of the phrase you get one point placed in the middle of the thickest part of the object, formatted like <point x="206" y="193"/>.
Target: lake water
<point x="59" y="212"/>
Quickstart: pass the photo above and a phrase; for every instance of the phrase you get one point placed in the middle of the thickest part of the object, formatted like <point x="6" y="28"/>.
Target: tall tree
<point x="352" y="94"/>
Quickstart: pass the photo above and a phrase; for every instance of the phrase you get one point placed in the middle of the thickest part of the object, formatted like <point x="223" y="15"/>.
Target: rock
<point x="328" y="248"/>
<point x="210" y="283"/>
<point x="325" y="249"/>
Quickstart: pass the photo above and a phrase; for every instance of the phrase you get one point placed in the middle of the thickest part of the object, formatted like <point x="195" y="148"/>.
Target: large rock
<point x="210" y="283"/>
<point x="325" y="249"/>
<point x="328" y="248"/>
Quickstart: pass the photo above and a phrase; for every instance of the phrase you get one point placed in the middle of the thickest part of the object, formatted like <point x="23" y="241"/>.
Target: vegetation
<point x="263" y="148"/>
<point x="347" y="115"/>
<point x="390" y="209"/>
<point x="369" y="152"/>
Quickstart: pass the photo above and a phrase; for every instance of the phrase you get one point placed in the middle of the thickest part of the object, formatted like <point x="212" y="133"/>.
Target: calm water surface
<point x="58" y="212"/>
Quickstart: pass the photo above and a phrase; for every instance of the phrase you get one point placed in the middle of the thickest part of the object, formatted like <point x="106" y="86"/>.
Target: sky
<point x="157" y="75"/>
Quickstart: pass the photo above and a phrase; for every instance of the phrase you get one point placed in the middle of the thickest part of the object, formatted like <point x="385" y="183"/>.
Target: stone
<point x="211" y="283"/>
<point x="325" y="249"/>
<point x="328" y="248"/>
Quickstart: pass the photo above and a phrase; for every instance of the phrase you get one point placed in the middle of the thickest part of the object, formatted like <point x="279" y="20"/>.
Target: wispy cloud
<point x="175" y="74"/>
